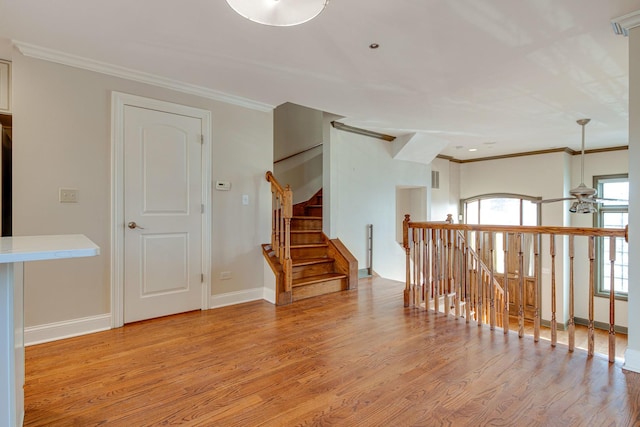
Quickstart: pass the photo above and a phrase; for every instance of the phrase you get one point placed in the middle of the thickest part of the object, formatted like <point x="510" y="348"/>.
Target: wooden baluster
<point x="276" y="220"/>
<point x="281" y="230"/>
<point x="479" y="293"/>
<point x="274" y="210"/>
<point x="436" y="273"/>
<point x="536" y="275"/>
<point x="417" y="274"/>
<point x="612" y="301"/>
<point x="520" y="286"/>
<point x="407" y="250"/>
<point x="505" y="284"/>
<point x="458" y="277"/>
<point x="449" y="274"/>
<point x="441" y="267"/>
<point x="422" y="292"/>
<point x="467" y="284"/>
<point x="572" y="323"/>
<point x="592" y="256"/>
<point x="287" y="215"/>
<point x="492" y="287"/>
<point x="552" y="248"/>
<point x="416" y="262"/>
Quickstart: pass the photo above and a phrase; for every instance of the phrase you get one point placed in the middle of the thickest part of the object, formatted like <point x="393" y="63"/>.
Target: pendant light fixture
<point x="279" y="13"/>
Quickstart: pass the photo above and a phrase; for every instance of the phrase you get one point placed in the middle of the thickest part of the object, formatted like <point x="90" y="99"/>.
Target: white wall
<point x="297" y="132"/>
<point x="62" y="138"/>
<point x="363" y="178"/>
<point x="410" y="201"/>
<point x="632" y="356"/>
<point x="446" y="199"/>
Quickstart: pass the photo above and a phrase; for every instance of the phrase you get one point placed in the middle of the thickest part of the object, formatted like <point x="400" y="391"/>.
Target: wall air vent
<point x="435" y="180"/>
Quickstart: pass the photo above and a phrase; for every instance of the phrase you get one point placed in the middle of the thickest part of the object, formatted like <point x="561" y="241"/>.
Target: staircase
<point x="319" y="265"/>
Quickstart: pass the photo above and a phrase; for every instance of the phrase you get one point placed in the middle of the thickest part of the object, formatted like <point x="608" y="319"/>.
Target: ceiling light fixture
<point x="279" y="13"/>
<point x="582" y="207"/>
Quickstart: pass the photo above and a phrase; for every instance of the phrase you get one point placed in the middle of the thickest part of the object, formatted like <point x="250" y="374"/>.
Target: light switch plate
<point x="68" y="195"/>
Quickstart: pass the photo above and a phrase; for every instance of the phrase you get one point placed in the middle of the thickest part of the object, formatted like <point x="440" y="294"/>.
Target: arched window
<point x="504" y="209"/>
<point x="501" y="209"/>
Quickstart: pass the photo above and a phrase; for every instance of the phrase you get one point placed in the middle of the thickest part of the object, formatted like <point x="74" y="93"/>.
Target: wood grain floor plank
<point x="355" y="358"/>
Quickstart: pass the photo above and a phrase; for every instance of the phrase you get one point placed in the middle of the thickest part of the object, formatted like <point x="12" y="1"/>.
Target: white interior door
<point x="162" y="213"/>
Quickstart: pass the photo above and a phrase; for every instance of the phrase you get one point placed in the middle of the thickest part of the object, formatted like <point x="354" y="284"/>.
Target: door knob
<point x="133" y="225"/>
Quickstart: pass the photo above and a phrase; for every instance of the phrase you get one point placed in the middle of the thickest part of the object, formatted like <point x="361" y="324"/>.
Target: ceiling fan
<point x="585" y="198"/>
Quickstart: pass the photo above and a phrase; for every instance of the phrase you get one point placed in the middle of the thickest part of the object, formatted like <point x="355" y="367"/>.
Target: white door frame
<point x="118" y="103"/>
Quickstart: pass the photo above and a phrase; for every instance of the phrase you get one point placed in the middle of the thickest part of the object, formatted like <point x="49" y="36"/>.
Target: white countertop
<point x="36" y="248"/>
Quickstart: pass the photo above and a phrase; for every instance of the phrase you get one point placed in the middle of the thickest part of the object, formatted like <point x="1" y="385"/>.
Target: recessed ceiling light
<point x="374" y="46"/>
<point x="473" y="149"/>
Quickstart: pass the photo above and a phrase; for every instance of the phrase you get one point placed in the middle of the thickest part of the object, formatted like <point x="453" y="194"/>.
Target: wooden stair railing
<point x="305" y="261"/>
<point x="282" y="213"/>
<point x="449" y="271"/>
<point x="439" y="262"/>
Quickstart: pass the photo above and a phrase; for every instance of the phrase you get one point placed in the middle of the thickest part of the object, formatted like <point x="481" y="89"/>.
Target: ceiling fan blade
<point x="554" y="200"/>
<point x="601" y="199"/>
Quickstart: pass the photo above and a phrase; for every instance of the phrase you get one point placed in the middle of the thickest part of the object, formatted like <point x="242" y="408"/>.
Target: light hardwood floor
<point x="355" y="358"/>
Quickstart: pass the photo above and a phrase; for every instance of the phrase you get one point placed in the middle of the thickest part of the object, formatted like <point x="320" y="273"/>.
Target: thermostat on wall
<point x="223" y="185"/>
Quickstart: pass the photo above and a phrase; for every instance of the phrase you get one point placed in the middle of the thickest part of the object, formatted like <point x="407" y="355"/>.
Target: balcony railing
<point x="444" y="267"/>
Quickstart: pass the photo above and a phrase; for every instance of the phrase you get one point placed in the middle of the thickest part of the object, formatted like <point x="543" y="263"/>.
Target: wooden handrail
<point x="430" y="251"/>
<point x="291" y="156"/>
<point x="274" y="182"/>
<point x="570" y="231"/>
<point x="282" y="212"/>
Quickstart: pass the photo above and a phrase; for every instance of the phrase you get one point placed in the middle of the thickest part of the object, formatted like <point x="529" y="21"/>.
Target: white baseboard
<point x="87" y="325"/>
<point x="66" y="329"/>
<point x="269" y="295"/>
<point x="238" y="297"/>
<point x="631" y="360"/>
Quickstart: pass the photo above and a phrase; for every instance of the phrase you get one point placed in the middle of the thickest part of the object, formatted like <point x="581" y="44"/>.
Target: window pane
<point x="472" y="212"/>
<point x="621" y="282"/>
<point x="615" y="188"/>
<point x="500" y="211"/>
<point x="529" y="213"/>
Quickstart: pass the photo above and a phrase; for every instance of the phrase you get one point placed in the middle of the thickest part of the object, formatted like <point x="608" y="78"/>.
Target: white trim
<point x="118" y="102"/>
<point x="269" y="295"/>
<point x="5" y="89"/>
<point x="238" y="297"/>
<point x="624" y="23"/>
<point x="631" y="360"/>
<point x="66" y="329"/>
<point x="63" y="58"/>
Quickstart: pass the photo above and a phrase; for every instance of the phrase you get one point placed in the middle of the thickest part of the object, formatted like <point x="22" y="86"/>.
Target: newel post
<point x="405" y="245"/>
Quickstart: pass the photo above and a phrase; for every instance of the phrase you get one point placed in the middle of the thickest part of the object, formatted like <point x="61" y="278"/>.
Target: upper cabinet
<point x="5" y="86"/>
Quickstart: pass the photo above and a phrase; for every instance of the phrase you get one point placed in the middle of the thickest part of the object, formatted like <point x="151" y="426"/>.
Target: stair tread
<point x="318" y="218"/>
<point x="306" y="231"/>
<point x="316" y="279"/>
<point x="310" y="261"/>
<point x="309" y="245"/>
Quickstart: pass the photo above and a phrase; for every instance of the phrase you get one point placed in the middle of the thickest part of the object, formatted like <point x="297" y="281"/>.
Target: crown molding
<point x="624" y="23"/>
<point x="534" y="153"/>
<point x="63" y="58"/>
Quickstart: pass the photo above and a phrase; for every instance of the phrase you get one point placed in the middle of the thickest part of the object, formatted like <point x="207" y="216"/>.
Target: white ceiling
<point x="502" y="76"/>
